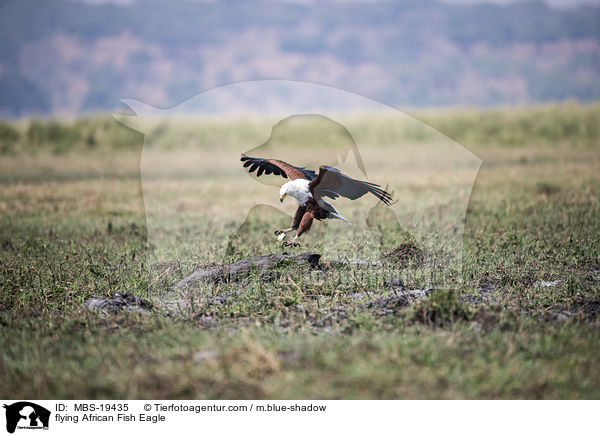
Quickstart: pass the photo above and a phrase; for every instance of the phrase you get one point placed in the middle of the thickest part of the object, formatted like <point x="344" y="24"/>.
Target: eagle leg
<point x="305" y="223"/>
<point x="280" y="231"/>
<point x="295" y="223"/>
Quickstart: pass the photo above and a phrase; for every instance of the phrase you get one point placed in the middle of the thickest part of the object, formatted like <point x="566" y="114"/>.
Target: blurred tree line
<point x="404" y="38"/>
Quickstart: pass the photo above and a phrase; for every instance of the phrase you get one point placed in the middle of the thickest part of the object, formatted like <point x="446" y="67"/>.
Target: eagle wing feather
<point x="277" y="167"/>
<point x="332" y="183"/>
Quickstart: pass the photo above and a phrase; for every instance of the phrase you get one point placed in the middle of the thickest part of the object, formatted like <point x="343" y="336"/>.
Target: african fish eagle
<point x="308" y="189"/>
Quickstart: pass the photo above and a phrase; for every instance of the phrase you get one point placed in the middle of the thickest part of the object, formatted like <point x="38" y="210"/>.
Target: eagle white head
<point x="296" y="188"/>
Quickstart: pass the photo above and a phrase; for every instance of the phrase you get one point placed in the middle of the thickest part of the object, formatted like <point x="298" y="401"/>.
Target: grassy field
<point x="522" y="323"/>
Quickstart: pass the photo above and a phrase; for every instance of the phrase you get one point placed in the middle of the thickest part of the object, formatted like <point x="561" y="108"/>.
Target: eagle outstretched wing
<point x="277" y="167"/>
<point x="332" y="183"/>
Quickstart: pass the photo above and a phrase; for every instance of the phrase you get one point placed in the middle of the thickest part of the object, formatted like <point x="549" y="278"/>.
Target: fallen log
<point x="242" y="268"/>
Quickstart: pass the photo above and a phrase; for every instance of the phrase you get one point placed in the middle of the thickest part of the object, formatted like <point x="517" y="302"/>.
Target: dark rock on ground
<point x="590" y="308"/>
<point x="402" y="299"/>
<point x="405" y="254"/>
<point x="489" y="284"/>
<point x="119" y="302"/>
<point x="207" y="321"/>
<point x="394" y="282"/>
<point x="389" y="303"/>
<point x="561" y="315"/>
<point x="484" y="295"/>
<point x="585" y="308"/>
<point x="220" y="299"/>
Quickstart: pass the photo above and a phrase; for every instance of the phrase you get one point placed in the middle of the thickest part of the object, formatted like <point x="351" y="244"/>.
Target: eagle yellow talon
<point x="281" y="236"/>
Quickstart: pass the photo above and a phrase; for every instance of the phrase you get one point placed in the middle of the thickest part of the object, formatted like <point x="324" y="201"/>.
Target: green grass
<point x="72" y="225"/>
<point x="157" y="358"/>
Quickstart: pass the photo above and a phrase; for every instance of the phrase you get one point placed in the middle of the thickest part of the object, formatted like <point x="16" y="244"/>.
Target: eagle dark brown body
<point x="304" y="216"/>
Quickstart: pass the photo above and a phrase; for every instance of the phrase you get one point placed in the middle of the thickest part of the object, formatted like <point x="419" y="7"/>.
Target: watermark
<point x="203" y="205"/>
<point x="269" y="417"/>
<point x="98" y="417"/>
<point x="24" y="415"/>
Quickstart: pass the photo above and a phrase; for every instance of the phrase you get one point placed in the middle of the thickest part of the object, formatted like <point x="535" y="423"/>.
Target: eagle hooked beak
<point x="282" y="197"/>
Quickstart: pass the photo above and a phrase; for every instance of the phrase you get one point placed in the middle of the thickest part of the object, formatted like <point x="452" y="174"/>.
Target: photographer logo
<point x="24" y="415"/>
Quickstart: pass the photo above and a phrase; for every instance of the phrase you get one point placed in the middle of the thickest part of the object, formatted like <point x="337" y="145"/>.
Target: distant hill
<point x="63" y="57"/>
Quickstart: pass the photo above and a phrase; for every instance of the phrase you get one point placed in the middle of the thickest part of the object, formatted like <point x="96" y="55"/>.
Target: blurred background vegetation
<point x="68" y="57"/>
<point x="572" y="124"/>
